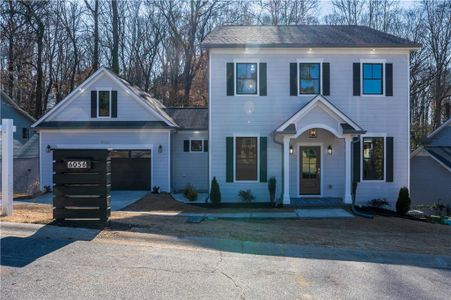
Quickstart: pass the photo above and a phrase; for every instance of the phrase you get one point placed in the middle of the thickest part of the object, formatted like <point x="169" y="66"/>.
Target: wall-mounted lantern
<point x="291" y="149"/>
<point x="329" y="150"/>
<point x="312" y="133"/>
<point x="48" y="148"/>
<point x="160" y="148"/>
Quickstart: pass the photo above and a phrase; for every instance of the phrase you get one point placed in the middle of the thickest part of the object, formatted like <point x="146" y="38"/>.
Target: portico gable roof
<point x="348" y="126"/>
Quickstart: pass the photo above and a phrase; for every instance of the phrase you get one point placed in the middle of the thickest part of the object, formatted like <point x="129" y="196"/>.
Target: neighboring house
<point x="107" y="112"/>
<point x="25" y="148"/>
<point x="430" y="168"/>
<point x="316" y="106"/>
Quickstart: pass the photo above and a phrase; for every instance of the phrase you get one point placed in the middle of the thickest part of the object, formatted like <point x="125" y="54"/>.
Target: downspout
<point x="354" y="192"/>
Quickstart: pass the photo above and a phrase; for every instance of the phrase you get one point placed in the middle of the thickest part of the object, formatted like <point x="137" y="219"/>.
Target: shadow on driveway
<point x="20" y="251"/>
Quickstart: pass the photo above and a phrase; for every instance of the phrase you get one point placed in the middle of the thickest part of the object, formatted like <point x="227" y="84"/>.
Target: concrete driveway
<point x="119" y="199"/>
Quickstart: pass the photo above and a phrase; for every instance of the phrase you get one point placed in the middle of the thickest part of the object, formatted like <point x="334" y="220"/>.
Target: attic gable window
<point x="103" y="104"/>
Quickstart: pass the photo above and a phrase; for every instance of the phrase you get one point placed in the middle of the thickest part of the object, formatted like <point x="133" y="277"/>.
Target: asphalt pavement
<point x="47" y="262"/>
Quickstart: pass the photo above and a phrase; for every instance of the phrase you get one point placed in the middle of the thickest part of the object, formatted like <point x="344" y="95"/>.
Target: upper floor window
<point x="372" y="74"/>
<point x="309" y="78"/>
<point x="104" y="104"/>
<point x="246" y="78"/>
<point x="246" y="158"/>
<point x="373" y="158"/>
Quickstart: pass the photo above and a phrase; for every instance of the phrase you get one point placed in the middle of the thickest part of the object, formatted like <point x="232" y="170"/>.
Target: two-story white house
<point x="317" y="107"/>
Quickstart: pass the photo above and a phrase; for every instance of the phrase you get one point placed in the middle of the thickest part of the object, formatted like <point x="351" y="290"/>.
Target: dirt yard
<point x="380" y="233"/>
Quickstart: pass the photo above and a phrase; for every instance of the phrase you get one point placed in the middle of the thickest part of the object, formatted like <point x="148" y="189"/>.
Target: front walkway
<point x="119" y="199"/>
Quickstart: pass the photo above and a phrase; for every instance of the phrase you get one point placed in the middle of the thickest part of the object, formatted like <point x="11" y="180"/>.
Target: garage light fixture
<point x="329" y="150"/>
<point x="49" y="148"/>
<point x="160" y="148"/>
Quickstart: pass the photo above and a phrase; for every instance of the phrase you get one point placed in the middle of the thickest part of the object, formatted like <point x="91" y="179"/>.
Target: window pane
<point x="367" y="71"/>
<point x="120" y="154"/>
<point x="372" y="86"/>
<point x="309" y="78"/>
<point x="104" y="103"/>
<point x="246" y="158"/>
<point x="140" y="154"/>
<point x="196" y="145"/>
<point x="309" y="162"/>
<point x="246" y="77"/>
<point x="373" y="158"/>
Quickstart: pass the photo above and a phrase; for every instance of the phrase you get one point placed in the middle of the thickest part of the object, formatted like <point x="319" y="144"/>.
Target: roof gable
<point x="7" y="100"/>
<point x="141" y="104"/>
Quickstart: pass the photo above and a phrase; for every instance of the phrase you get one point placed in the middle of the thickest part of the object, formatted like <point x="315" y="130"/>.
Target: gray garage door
<point x="130" y="170"/>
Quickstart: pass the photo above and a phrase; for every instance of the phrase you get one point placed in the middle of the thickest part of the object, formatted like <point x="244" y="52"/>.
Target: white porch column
<point x="347" y="196"/>
<point x="7" y="166"/>
<point x="286" y="170"/>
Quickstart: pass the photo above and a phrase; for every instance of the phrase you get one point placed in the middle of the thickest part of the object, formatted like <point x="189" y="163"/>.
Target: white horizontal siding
<point x="229" y="115"/>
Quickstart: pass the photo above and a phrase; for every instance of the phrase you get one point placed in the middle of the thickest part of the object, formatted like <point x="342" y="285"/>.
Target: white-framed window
<point x="196" y="145"/>
<point x="309" y="76"/>
<point x="373" y="157"/>
<point x="372" y="77"/>
<point x="246" y="158"/>
<point x="104" y="103"/>
<point x="246" y="78"/>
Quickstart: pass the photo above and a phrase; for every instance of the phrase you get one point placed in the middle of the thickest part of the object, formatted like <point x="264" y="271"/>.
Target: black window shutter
<point x="93" y="104"/>
<point x="229" y="159"/>
<point x="263" y="159"/>
<point x="389" y="157"/>
<point x="326" y="79"/>
<point x="186" y="146"/>
<point x="293" y="79"/>
<point x="114" y="104"/>
<point x="389" y="79"/>
<point x="356" y="160"/>
<point x="356" y="79"/>
<point x="230" y="80"/>
<point x="262" y="79"/>
<point x="205" y="145"/>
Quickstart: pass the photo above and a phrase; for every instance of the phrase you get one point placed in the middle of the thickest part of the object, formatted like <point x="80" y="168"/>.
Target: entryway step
<point x="322" y="213"/>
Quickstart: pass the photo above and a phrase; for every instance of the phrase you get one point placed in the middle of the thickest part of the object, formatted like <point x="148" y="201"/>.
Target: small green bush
<point x="215" y="193"/>
<point x="246" y="195"/>
<point x="155" y="189"/>
<point x="272" y="189"/>
<point x="403" y="203"/>
<point x="190" y="192"/>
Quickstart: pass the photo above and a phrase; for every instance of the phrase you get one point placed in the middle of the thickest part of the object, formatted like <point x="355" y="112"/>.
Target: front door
<point x="310" y="170"/>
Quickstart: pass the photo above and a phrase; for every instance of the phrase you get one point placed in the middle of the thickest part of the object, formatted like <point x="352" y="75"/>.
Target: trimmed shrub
<point x="215" y="193"/>
<point x="155" y="189"/>
<point x="190" y="192"/>
<point x="403" y="203"/>
<point x="272" y="189"/>
<point x="246" y="195"/>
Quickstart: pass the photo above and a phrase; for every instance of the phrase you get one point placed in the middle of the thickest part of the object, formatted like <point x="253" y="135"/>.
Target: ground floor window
<point x="196" y="145"/>
<point x="373" y="158"/>
<point x="246" y="158"/>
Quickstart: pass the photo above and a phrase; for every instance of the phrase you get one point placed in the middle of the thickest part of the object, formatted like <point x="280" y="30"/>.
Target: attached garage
<point x="131" y="170"/>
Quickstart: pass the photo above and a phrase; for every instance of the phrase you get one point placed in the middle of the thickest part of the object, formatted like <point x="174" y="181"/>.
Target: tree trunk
<point x="115" y="50"/>
<point x="95" y="61"/>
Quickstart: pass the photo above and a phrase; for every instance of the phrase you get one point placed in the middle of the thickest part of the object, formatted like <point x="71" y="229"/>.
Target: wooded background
<point x="49" y="47"/>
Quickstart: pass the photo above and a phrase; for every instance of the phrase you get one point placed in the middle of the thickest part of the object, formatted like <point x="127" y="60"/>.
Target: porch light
<point x="49" y="148"/>
<point x="312" y="133"/>
<point x="329" y="150"/>
<point x="160" y="148"/>
<point x="291" y="149"/>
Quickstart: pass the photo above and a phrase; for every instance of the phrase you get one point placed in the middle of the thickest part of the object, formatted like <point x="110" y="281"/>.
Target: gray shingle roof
<point x="342" y="36"/>
<point x="441" y="153"/>
<point x="190" y="118"/>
